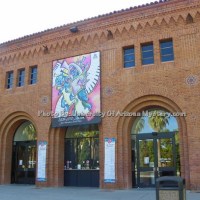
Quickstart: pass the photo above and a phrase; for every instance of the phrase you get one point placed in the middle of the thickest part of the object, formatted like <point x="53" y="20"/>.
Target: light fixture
<point x="109" y="34"/>
<point x="46" y="50"/>
<point x="74" y="29"/>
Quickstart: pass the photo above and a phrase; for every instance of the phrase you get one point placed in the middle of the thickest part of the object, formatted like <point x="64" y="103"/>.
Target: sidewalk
<point x="24" y="192"/>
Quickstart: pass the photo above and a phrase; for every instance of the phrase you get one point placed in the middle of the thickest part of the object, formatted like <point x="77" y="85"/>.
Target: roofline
<point x="87" y="20"/>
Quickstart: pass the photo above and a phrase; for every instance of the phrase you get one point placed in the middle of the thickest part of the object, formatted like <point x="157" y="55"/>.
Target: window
<point x="82" y="147"/>
<point x="9" y="80"/>
<point x="166" y="50"/>
<point x="147" y="54"/>
<point x="21" y="77"/>
<point x="33" y="75"/>
<point x="129" y="57"/>
<point x="25" y="132"/>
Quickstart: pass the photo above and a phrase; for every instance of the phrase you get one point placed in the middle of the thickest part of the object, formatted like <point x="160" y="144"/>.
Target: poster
<point x="76" y="90"/>
<point x="109" y="162"/>
<point x="42" y="152"/>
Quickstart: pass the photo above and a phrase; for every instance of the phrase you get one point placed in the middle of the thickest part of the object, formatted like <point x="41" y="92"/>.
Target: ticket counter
<point x="81" y="164"/>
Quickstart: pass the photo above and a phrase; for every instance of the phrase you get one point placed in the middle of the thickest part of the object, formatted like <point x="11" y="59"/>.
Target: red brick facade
<point x="174" y="86"/>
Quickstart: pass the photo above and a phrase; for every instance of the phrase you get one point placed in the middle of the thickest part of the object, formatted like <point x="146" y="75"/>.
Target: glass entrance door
<point x="156" y="156"/>
<point x="24" y="162"/>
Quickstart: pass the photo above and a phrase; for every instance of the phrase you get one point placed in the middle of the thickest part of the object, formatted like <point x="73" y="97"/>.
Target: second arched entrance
<point x="125" y="143"/>
<point x="154" y="147"/>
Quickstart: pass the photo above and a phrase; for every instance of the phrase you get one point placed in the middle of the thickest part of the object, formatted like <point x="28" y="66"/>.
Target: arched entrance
<point x="125" y="124"/>
<point x="24" y="154"/>
<point x="154" y="147"/>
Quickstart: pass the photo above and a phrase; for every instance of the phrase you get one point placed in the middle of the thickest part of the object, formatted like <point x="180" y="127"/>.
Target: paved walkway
<point x="24" y="192"/>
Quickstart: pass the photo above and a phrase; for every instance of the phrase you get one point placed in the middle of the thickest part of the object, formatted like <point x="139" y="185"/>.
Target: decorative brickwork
<point x="171" y="85"/>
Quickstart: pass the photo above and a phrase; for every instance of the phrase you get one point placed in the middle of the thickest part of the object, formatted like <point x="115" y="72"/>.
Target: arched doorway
<point x="125" y="125"/>
<point x="24" y="154"/>
<point x="154" y="147"/>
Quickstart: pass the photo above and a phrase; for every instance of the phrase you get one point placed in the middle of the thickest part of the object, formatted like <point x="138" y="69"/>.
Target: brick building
<point x="149" y="59"/>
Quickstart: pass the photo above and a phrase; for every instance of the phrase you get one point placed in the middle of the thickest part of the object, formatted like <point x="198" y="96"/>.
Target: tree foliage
<point x="158" y="120"/>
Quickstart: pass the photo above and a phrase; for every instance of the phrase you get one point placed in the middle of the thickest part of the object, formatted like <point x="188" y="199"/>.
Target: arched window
<point x="25" y="132"/>
<point x="154" y="120"/>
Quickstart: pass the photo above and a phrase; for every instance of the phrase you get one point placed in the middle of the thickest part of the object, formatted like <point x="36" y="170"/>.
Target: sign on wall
<point x="42" y="152"/>
<point x="109" y="161"/>
<point x="76" y="90"/>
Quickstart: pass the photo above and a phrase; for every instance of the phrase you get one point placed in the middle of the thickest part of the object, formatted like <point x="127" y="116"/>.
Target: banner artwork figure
<point x="76" y="90"/>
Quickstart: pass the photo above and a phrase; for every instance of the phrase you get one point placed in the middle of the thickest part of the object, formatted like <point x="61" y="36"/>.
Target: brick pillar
<point x="55" y="163"/>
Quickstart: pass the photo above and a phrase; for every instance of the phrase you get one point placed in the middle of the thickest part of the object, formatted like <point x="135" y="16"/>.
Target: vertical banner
<point x="42" y="154"/>
<point x="109" y="161"/>
<point x="76" y="90"/>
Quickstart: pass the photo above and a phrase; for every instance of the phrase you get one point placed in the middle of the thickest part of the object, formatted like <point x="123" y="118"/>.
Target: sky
<point x="19" y="18"/>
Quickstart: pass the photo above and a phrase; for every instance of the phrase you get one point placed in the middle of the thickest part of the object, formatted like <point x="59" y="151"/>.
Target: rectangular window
<point x="147" y="54"/>
<point x="21" y="77"/>
<point x="166" y="50"/>
<point x="9" y="79"/>
<point x="82" y="151"/>
<point x="129" y="57"/>
<point x="33" y="75"/>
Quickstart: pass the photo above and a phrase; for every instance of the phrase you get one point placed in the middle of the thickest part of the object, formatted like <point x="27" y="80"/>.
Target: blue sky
<point x="24" y="17"/>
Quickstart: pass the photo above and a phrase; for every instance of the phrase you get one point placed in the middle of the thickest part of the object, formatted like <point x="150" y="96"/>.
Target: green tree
<point x="158" y="121"/>
<point x="29" y="132"/>
<point x="139" y="125"/>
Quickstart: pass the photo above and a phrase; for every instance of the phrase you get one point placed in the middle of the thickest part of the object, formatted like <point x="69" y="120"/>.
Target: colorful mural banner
<point x="76" y="90"/>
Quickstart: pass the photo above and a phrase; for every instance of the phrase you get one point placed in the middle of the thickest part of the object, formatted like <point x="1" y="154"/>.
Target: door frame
<point x="15" y="164"/>
<point x="156" y="171"/>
